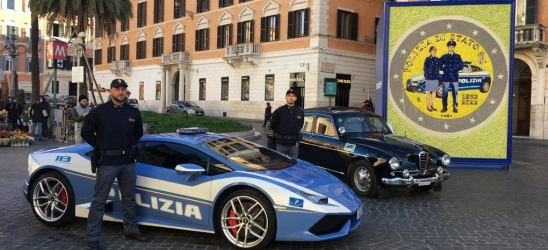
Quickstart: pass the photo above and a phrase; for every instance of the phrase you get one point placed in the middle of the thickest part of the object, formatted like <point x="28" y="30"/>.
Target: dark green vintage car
<point x="359" y="145"/>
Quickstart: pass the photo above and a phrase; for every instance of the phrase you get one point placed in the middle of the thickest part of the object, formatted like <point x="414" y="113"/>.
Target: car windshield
<point x="249" y="155"/>
<point x="362" y="123"/>
<point x="190" y="104"/>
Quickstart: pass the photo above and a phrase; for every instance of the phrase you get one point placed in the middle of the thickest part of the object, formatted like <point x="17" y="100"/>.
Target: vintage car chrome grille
<point x="423" y="161"/>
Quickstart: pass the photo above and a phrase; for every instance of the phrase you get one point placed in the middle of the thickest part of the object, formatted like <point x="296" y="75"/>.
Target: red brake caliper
<point x="64" y="196"/>
<point x="233" y="222"/>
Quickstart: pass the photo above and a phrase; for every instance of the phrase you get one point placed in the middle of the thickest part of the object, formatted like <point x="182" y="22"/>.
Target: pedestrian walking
<point x="37" y="116"/>
<point x="79" y="113"/>
<point x="267" y="113"/>
<point x="45" y="111"/>
<point x="113" y="129"/>
<point x="14" y="113"/>
<point x="286" y="122"/>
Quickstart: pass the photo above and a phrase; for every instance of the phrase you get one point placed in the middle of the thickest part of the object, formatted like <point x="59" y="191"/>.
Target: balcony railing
<point x="121" y="67"/>
<point x="529" y="35"/>
<point x="239" y="50"/>
<point x="176" y="58"/>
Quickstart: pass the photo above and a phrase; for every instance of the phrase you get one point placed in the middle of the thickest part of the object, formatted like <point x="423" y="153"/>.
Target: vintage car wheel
<point x="485" y="87"/>
<point x="363" y="179"/>
<point x="247" y="219"/>
<point x="52" y="199"/>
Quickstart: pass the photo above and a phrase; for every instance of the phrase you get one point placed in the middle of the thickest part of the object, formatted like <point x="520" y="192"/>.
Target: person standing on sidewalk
<point x="46" y="112"/>
<point x="287" y="121"/>
<point x="14" y="113"/>
<point x="113" y="129"/>
<point x="37" y="115"/>
<point x="79" y="113"/>
<point x="267" y="113"/>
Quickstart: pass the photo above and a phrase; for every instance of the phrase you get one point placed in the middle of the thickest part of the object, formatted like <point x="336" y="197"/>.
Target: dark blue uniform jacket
<point x="432" y="68"/>
<point x="451" y="65"/>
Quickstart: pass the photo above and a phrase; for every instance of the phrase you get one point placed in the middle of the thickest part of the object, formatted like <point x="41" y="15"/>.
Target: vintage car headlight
<point x="394" y="163"/>
<point x="440" y="170"/>
<point x="445" y="160"/>
<point x="405" y="173"/>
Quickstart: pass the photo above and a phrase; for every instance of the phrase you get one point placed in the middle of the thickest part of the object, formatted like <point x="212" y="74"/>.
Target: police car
<point x="470" y="77"/>
<point x="200" y="181"/>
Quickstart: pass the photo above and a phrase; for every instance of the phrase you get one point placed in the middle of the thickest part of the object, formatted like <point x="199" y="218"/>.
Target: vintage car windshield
<point x="363" y="123"/>
<point x="249" y="155"/>
<point x="190" y="104"/>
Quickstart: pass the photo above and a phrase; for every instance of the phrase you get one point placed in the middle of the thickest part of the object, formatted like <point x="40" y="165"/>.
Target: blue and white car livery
<point x="202" y="182"/>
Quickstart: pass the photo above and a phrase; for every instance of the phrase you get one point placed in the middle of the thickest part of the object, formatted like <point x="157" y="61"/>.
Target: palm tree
<point x="82" y="13"/>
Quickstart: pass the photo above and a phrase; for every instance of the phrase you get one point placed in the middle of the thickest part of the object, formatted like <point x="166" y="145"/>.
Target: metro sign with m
<point x="58" y="50"/>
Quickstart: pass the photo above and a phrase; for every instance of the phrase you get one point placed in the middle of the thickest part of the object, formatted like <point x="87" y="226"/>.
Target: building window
<point x="224" y="89"/>
<point x="224" y="36"/>
<point x="245" y="88"/>
<point x="157" y="46"/>
<point x="98" y="56"/>
<point x="269" y="88"/>
<point x="179" y="8"/>
<point x="202" y="89"/>
<point x="202" y="39"/>
<point x="178" y="43"/>
<point x="141" y="91"/>
<point x="98" y="30"/>
<point x="142" y="14"/>
<point x="202" y="6"/>
<point x="347" y="25"/>
<point x="55" y="87"/>
<point x="124" y="52"/>
<point x="245" y="32"/>
<point x="124" y="26"/>
<point x="158" y="11"/>
<point x="57" y="30"/>
<point x="111" y="54"/>
<point x="297" y="23"/>
<point x="141" y="50"/>
<point x="11" y="4"/>
<point x="531" y="12"/>
<point x="225" y="3"/>
<point x="8" y="64"/>
<point x="11" y="30"/>
<point x="270" y="28"/>
<point x="158" y="90"/>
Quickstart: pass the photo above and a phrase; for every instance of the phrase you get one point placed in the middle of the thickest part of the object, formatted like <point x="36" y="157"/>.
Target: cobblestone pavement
<point x="478" y="209"/>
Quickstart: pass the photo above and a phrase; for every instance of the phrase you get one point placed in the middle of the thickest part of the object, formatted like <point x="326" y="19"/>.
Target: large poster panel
<point x="447" y="78"/>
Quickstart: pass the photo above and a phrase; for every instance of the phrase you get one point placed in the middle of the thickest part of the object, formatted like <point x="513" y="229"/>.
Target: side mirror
<point x="190" y="169"/>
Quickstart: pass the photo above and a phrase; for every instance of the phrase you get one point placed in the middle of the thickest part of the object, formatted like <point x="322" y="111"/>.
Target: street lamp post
<point x="11" y="50"/>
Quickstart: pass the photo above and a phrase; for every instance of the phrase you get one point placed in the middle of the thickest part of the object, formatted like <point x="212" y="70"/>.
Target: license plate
<point x="359" y="212"/>
<point x="424" y="183"/>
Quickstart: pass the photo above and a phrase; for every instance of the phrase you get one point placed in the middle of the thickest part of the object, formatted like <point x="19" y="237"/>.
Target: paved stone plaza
<point x="478" y="209"/>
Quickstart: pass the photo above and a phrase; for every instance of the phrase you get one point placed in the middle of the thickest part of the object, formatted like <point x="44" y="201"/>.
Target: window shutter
<point x="221" y="4"/>
<point x="290" y="24"/>
<point x="531" y="12"/>
<point x="27" y="60"/>
<point x="2" y="64"/>
<point x="339" y="23"/>
<point x="306" y="21"/>
<point x="239" y="33"/>
<point x="197" y="46"/>
<point x="263" y="29"/>
<point x="230" y="34"/>
<point x="68" y="63"/>
<point x="207" y="39"/>
<point x="377" y="20"/>
<point x="277" y="31"/>
<point x="219" y="35"/>
<point x="174" y="42"/>
<point x="162" y="11"/>
<point x="144" y="14"/>
<point x="252" y="35"/>
<point x="354" y="26"/>
<point x="183" y="42"/>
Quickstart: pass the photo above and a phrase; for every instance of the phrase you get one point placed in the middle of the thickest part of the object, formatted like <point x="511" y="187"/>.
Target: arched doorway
<point x="521" y="106"/>
<point x="175" y="86"/>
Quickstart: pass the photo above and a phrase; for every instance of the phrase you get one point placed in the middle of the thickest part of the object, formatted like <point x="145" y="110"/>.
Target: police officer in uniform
<point x="450" y="64"/>
<point x="114" y="129"/>
<point x="287" y="121"/>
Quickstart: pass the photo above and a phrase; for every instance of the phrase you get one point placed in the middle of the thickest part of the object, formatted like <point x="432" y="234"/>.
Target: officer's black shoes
<point x="434" y="109"/>
<point x="429" y="109"/>
<point x="455" y="110"/>
<point x="94" y="245"/>
<point x="138" y="237"/>
<point x="444" y="110"/>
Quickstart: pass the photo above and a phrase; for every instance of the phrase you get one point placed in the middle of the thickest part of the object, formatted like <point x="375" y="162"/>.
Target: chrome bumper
<point x="414" y="182"/>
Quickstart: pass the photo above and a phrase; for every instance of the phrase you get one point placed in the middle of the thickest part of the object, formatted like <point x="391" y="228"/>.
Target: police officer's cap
<point x="451" y="43"/>
<point x="290" y="91"/>
<point x="118" y="82"/>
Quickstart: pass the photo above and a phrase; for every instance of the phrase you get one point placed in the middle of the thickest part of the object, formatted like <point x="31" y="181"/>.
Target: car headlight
<point x="394" y="163"/>
<point x="445" y="160"/>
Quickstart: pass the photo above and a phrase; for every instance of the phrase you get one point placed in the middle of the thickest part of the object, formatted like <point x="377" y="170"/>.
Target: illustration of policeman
<point x="450" y="64"/>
